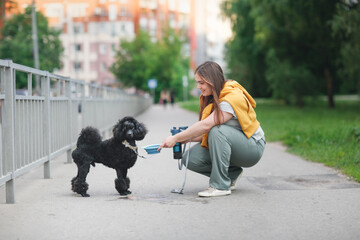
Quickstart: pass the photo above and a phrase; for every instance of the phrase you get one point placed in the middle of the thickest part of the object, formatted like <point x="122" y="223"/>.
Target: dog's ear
<point x="140" y="131"/>
<point x="117" y="130"/>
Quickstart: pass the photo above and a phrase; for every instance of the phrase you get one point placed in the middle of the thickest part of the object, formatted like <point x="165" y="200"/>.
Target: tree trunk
<point x="329" y="87"/>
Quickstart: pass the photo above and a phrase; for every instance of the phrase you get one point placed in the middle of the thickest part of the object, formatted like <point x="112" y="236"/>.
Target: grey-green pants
<point x="229" y="151"/>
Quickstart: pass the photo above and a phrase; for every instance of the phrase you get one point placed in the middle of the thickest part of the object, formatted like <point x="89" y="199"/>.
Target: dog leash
<point x="135" y="149"/>
<point x="180" y="191"/>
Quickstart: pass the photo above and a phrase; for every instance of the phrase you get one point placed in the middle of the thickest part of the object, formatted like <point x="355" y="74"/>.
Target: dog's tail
<point x="89" y="136"/>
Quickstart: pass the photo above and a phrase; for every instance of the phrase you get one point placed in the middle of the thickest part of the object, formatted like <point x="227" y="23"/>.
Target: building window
<point x="105" y="28"/>
<point x="113" y="49"/>
<point x="123" y="11"/>
<point x="112" y="12"/>
<point x="184" y="6"/>
<point x="143" y="4"/>
<point x="152" y="4"/>
<point x="103" y="48"/>
<point x="77" y="66"/>
<point x="172" y="21"/>
<point x="113" y="29"/>
<point x="97" y="11"/>
<point x="78" y="29"/>
<point x="54" y="10"/>
<point x="152" y="24"/>
<point x="77" y="47"/>
<point x="143" y="23"/>
<point x="172" y="5"/>
<point x="77" y="10"/>
<point x="123" y="28"/>
<point x="104" y="67"/>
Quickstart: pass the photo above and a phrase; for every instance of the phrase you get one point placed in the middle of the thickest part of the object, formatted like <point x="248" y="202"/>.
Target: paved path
<point x="283" y="197"/>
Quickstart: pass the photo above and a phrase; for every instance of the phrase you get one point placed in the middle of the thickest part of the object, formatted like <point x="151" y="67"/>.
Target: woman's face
<point x="203" y="86"/>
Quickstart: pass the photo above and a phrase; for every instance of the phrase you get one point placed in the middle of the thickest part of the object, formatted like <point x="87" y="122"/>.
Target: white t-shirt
<point x="226" y="107"/>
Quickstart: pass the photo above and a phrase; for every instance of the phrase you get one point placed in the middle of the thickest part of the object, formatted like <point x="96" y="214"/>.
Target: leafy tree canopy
<point x="16" y="43"/>
<point x="345" y="25"/>
<point x="294" y="48"/>
<point x="245" y="53"/>
<point x="142" y="59"/>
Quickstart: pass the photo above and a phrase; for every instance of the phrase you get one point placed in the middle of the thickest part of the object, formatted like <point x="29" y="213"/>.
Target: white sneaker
<point x="213" y="192"/>
<point x="232" y="185"/>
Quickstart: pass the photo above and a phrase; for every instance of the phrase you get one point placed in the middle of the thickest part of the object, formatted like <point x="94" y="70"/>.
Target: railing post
<point x="83" y="106"/>
<point x="45" y="86"/>
<point x="69" y="119"/>
<point x="9" y="131"/>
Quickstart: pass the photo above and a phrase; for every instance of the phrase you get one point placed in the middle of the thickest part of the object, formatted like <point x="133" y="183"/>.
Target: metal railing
<point x="37" y="125"/>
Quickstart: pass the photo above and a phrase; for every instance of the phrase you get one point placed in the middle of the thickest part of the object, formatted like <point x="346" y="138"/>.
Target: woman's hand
<point x="195" y="131"/>
<point x="168" y="142"/>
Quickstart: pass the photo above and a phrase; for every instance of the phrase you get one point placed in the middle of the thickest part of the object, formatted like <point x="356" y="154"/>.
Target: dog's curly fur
<point x="90" y="149"/>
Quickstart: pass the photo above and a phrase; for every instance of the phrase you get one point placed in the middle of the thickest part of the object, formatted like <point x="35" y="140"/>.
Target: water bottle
<point x="177" y="148"/>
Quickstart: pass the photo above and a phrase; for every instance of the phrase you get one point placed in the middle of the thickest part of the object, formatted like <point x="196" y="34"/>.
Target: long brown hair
<point x="213" y="75"/>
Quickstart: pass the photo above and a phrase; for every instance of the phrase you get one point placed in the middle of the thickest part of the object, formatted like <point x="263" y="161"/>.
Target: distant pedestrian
<point x="172" y="97"/>
<point x="164" y="97"/>
<point x="230" y="135"/>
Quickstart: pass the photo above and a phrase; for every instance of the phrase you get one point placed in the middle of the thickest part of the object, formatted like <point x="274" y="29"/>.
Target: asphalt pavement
<point x="282" y="197"/>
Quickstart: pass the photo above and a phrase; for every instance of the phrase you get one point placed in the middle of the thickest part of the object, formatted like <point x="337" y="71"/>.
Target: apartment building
<point x="212" y="32"/>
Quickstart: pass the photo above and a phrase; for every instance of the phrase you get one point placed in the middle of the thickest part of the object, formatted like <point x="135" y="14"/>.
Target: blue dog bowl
<point x="151" y="149"/>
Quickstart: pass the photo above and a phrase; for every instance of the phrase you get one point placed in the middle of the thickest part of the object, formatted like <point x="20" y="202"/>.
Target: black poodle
<point x="118" y="152"/>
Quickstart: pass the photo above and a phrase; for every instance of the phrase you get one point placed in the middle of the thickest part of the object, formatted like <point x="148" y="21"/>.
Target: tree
<point x="300" y="35"/>
<point x="139" y="60"/>
<point x="172" y="62"/>
<point x="301" y="48"/>
<point x="134" y="61"/>
<point x="245" y="53"/>
<point x="16" y="43"/>
<point x="290" y="83"/>
<point x="346" y="25"/>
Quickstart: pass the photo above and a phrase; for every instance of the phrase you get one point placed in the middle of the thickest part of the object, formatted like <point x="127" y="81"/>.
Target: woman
<point x="230" y="135"/>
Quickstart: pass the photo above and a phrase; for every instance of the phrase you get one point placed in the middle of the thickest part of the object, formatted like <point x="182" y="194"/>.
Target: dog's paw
<point x="85" y="195"/>
<point x="124" y="193"/>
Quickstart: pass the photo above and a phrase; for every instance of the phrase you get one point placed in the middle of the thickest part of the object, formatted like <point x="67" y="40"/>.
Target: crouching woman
<point x="230" y="136"/>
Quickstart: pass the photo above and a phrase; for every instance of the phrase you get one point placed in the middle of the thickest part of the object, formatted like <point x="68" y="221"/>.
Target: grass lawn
<point x="315" y="132"/>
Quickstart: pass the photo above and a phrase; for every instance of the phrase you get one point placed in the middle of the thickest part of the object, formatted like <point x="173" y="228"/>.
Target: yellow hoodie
<point x="243" y="105"/>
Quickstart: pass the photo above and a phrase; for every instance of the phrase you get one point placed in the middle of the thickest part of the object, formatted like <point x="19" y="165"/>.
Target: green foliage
<point x="346" y="26"/>
<point x="172" y="64"/>
<point x="316" y="133"/>
<point x="16" y="43"/>
<point x="192" y="106"/>
<point x="300" y="48"/>
<point x="245" y="53"/>
<point x="139" y="60"/>
<point x="284" y="78"/>
<point x="301" y="37"/>
<point x="355" y="134"/>
<point x="134" y="60"/>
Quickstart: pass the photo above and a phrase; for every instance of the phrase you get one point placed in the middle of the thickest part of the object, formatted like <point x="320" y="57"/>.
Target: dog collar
<point x="127" y="144"/>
